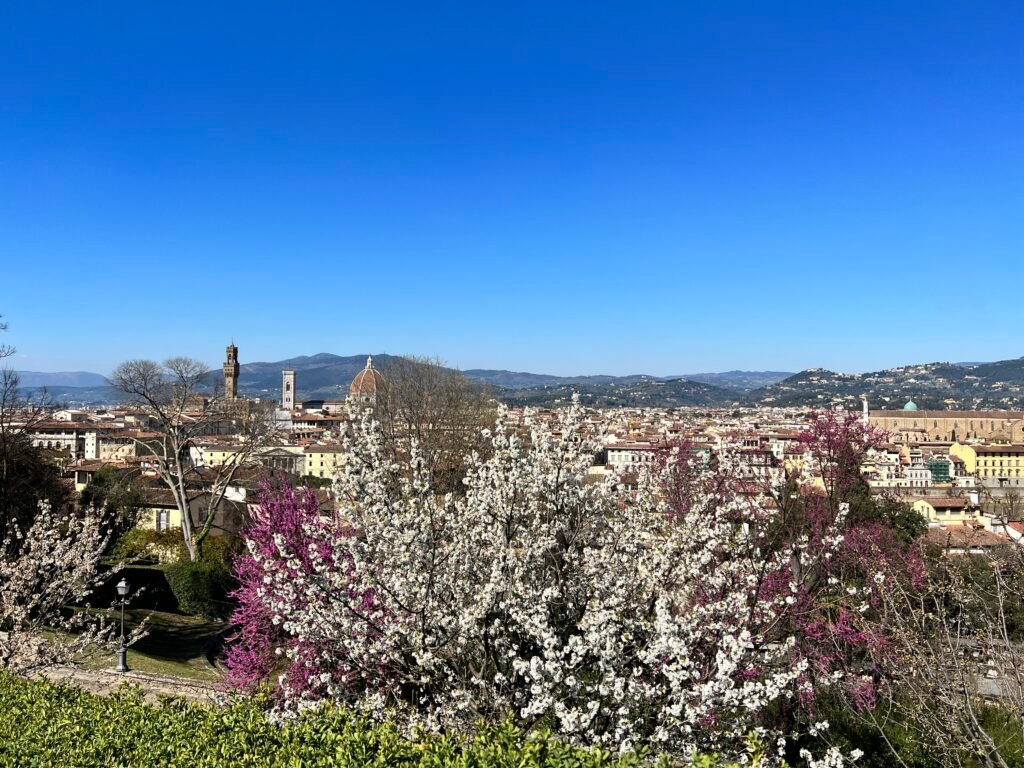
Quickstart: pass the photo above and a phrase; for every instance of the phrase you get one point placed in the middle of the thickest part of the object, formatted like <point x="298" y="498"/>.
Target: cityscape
<point x="565" y="386"/>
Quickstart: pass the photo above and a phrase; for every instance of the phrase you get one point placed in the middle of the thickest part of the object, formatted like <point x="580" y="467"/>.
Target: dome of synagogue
<point x="366" y="383"/>
<point x="910" y="406"/>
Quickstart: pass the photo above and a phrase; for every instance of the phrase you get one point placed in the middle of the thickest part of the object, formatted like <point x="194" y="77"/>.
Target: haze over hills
<point x="61" y="379"/>
<point x="944" y="386"/>
<point x="742" y="381"/>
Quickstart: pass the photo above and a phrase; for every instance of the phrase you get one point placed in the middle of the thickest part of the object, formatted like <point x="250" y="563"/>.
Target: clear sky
<point x="559" y="187"/>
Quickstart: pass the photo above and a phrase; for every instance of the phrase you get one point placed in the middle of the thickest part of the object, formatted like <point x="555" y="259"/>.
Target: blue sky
<point x="556" y="187"/>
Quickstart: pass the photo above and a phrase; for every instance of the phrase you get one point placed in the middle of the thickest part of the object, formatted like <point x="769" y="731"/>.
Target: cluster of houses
<point x="961" y="471"/>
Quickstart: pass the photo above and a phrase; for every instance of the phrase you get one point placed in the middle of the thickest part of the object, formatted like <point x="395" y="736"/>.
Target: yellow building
<point x="215" y="454"/>
<point x="945" y="510"/>
<point x="159" y="512"/>
<point x="324" y="461"/>
<point x="1005" y="462"/>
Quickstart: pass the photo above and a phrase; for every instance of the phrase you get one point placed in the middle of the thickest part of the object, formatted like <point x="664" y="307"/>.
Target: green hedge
<point x="201" y="588"/>
<point x="42" y="724"/>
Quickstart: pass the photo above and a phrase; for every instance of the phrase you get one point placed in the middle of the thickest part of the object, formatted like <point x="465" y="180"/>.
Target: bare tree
<point x="958" y="645"/>
<point x="182" y="407"/>
<point x="6" y="350"/>
<point x="439" y="408"/>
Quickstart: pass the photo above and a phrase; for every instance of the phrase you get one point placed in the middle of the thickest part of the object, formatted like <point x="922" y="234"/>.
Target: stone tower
<point x="288" y="390"/>
<point x="231" y="373"/>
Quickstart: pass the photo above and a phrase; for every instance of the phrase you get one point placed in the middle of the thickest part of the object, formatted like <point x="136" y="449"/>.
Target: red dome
<point x="366" y="383"/>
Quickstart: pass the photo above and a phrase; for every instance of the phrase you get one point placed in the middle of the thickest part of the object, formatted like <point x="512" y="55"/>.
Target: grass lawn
<point x="174" y="647"/>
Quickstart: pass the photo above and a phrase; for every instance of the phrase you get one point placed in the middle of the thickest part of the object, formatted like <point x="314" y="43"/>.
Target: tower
<point x="231" y="373"/>
<point x="288" y="390"/>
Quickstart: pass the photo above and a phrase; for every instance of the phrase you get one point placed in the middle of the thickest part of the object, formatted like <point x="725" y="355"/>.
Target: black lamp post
<point x="122" y="650"/>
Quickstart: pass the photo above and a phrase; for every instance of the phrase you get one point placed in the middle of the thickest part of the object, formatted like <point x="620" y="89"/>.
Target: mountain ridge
<point x="995" y="385"/>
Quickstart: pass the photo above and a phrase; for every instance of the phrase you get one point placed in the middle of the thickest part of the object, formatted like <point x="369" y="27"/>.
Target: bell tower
<point x="288" y="390"/>
<point x="231" y="373"/>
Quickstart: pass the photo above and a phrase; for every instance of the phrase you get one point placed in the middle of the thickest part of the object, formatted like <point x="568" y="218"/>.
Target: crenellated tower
<point x="231" y="373"/>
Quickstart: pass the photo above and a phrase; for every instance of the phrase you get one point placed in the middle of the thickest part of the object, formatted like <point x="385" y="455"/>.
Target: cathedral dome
<point x="367" y="383"/>
<point x="910" y="406"/>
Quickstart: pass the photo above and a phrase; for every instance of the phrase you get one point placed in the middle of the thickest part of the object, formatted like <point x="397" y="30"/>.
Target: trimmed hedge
<point x="42" y="724"/>
<point x="201" y="588"/>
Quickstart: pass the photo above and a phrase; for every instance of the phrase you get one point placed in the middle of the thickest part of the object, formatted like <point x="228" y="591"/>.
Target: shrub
<point x="201" y="588"/>
<point x="221" y="549"/>
<point x="45" y="724"/>
<point x="143" y="544"/>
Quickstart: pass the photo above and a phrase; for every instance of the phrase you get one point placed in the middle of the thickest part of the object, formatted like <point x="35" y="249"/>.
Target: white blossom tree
<point x="43" y="571"/>
<point x="539" y="595"/>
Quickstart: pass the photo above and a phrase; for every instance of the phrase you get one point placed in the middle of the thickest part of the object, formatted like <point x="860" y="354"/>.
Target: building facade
<point x="951" y="426"/>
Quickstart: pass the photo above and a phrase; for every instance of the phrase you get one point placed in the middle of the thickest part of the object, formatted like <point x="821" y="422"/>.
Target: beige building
<point x="951" y="426"/>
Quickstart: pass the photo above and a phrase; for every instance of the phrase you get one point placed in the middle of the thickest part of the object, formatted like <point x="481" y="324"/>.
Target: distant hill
<point x="742" y="381"/>
<point x="324" y="375"/>
<point x="939" y="386"/>
<point x="78" y="396"/>
<point x="30" y="379"/>
<point x="647" y="391"/>
<point x="516" y="380"/>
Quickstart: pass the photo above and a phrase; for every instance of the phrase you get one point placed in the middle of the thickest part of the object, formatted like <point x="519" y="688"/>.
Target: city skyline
<point x="564" y="190"/>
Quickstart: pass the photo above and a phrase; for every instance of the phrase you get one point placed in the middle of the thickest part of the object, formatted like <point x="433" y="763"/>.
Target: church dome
<point x="910" y="406"/>
<point x="366" y="383"/>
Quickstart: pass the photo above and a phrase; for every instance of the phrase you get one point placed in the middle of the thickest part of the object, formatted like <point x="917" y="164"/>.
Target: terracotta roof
<point x="324" y="449"/>
<point x="963" y="536"/>
<point x="366" y="382"/>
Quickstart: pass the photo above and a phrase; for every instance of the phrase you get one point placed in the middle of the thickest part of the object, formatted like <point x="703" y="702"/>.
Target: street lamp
<point x="122" y="650"/>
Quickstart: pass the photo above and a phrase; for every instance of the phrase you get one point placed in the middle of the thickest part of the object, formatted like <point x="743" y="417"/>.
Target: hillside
<point x="316" y="376"/>
<point x="646" y="392"/>
<point x="940" y="386"/>
<point x="741" y="381"/>
<point x="33" y="379"/>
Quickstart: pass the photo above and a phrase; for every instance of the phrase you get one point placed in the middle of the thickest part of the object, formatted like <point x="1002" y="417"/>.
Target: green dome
<point x="910" y="406"/>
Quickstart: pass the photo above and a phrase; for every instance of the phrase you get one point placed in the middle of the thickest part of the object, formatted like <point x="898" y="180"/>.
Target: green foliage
<point x="28" y="475"/>
<point x="993" y="586"/>
<point x="312" y="481"/>
<point x="1005" y="730"/>
<point x="142" y="544"/>
<point x="42" y="724"/>
<point x="848" y="731"/>
<point x="201" y="588"/>
<point x="221" y="549"/>
<point x="115" y="492"/>
<point x="889" y="510"/>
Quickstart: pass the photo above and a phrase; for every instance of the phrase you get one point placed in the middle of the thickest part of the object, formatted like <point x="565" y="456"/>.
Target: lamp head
<point x="122" y="588"/>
